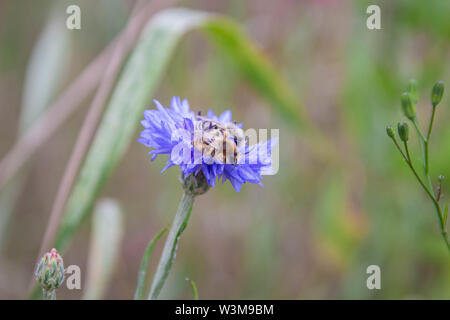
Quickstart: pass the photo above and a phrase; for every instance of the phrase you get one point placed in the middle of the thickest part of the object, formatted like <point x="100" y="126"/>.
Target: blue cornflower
<point x="213" y="145"/>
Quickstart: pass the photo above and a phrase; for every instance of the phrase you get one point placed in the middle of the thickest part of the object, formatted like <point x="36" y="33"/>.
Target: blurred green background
<point x="316" y="226"/>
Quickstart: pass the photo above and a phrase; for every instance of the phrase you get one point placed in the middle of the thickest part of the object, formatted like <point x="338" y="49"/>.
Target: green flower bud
<point x="50" y="271"/>
<point x="437" y="93"/>
<point x="408" y="106"/>
<point x="412" y="90"/>
<point x="403" y="131"/>
<point x="194" y="184"/>
<point x="390" y="131"/>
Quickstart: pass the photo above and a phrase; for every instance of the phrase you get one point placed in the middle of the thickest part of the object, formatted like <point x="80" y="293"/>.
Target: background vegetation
<point x="339" y="203"/>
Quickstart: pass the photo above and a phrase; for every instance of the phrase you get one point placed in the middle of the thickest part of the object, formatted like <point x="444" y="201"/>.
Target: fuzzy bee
<point x="220" y="142"/>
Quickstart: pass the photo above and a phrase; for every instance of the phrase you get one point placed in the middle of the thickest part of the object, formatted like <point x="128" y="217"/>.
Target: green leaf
<point x="194" y="288"/>
<point x="144" y="265"/>
<point x="104" y="247"/>
<point x="445" y="215"/>
<point x="233" y="43"/>
<point x="137" y="83"/>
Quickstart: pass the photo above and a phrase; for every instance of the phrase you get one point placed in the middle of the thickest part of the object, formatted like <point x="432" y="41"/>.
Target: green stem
<point x="444" y="235"/>
<point x="168" y="253"/>
<point x="194" y="289"/>
<point x="430" y="127"/>
<point x="424" y="146"/>
<point x="49" y="294"/>
<point x="416" y="126"/>
<point x="429" y="192"/>
<point x="409" y="163"/>
<point x="426" y="142"/>
<point x="408" y="156"/>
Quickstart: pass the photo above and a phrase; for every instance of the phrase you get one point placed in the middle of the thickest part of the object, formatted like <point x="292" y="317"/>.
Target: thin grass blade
<point x="194" y="288"/>
<point x="107" y="230"/>
<point x="138" y="295"/>
<point x="445" y="215"/>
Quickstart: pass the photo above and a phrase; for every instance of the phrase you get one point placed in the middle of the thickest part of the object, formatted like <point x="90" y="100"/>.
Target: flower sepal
<point x="194" y="184"/>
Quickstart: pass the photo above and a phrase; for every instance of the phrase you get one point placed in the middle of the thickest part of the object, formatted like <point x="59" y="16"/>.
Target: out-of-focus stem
<point x="408" y="156"/>
<point x="430" y="127"/>
<point x="429" y="192"/>
<point x="424" y="146"/>
<point x="444" y="235"/>
<point x="426" y="142"/>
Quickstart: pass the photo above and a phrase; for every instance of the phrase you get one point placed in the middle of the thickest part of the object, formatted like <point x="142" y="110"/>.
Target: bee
<point x="222" y="150"/>
<point x="220" y="142"/>
<point x="236" y="134"/>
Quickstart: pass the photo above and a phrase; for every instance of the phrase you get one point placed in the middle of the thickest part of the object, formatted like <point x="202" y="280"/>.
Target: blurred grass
<point x="194" y="288"/>
<point x="142" y="275"/>
<point x="315" y="227"/>
<point x="105" y="245"/>
<point x="47" y="65"/>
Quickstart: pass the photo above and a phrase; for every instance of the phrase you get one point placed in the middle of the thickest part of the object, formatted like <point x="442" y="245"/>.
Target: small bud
<point x="390" y="131"/>
<point x="412" y="90"/>
<point x="408" y="106"/>
<point x="403" y="131"/>
<point x="437" y="93"/>
<point x="194" y="184"/>
<point x="50" y="271"/>
<point x="441" y="177"/>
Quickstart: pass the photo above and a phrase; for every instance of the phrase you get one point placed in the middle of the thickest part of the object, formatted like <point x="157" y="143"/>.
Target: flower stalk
<point x="408" y="99"/>
<point x="49" y="294"/>
<point x="168" y="254"/>
<point x="193" y="185"/>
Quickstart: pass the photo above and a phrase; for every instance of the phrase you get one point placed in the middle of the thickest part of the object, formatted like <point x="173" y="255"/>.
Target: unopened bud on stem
<point x="412" y="90"/>
<point x="390" y="131"/>
<point x="50" y="273"/>
<point x="436" y="93"/>
<point x="403" y="131"/>
<point x="408" y="106"/>
<point x="194" y="184"/>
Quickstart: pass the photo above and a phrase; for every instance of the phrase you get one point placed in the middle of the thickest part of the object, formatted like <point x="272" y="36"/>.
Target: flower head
<point x="213" y="145"/>
<point x="50" y="270"/>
